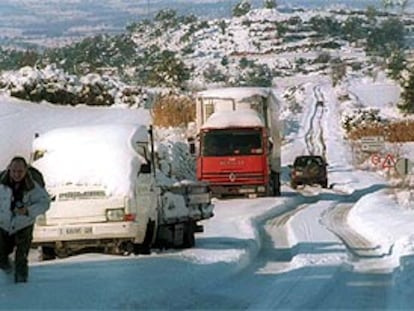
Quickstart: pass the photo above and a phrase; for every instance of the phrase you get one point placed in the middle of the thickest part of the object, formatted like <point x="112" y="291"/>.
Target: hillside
<point x="256" y="47"/>
<point x="253" y="48"/>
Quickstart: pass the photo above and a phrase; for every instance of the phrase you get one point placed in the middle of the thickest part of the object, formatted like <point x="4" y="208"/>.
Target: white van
<point x="106" y="194"/>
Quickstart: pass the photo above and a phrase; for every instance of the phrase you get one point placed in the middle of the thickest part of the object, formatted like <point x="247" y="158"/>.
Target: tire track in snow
<point x="335" y="221"/>
<point x="314" y="137"/>
<point x="280" y="229"/>
<point x="320" y="98"/>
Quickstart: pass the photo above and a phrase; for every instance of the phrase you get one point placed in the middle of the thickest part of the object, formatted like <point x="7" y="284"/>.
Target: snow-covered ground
<point x="347" y="247"/>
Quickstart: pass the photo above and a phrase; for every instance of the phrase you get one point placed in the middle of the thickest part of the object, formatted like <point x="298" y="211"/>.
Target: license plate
<point x="199" y="198"/>
<point x="76" y="230"/>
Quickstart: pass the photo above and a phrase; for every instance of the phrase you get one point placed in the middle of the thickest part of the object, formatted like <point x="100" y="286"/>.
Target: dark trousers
<point x="22" y="240"/>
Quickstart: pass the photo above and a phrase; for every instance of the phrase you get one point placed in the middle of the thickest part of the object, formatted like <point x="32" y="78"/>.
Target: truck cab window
<point x="230" y="143"/>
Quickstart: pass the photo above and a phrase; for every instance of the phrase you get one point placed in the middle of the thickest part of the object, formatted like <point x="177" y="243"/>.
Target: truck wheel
<point x="274" y="184"/>
<point x="47" y="253"/>
<point x="188" y="236"/>
<point x="145" y="247"/>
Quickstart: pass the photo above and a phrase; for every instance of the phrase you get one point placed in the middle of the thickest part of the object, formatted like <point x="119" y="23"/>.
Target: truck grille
<point x="232" y="178"/>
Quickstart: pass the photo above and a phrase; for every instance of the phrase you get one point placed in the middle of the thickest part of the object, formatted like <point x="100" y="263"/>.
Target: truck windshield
<point x="231" y="142"/>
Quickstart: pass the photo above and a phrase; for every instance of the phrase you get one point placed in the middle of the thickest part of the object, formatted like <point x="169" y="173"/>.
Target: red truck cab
<point x="239" y="153"/>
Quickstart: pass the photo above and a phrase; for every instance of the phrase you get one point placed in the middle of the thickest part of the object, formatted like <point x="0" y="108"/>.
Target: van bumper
<point x="132" y="231"/>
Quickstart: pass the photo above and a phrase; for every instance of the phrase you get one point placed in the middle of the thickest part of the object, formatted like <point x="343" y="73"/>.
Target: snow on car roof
<point x="105" y="155"/>
<point x="237" y="93"/>
<point x="230" y="118"/>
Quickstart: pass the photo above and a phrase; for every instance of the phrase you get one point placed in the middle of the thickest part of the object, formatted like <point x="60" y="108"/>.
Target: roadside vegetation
<point x="393" y="132"/>
<point x="173" y="110"/>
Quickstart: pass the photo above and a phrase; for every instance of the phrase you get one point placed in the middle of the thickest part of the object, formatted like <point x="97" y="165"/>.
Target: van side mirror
<point x="145" y="168"/>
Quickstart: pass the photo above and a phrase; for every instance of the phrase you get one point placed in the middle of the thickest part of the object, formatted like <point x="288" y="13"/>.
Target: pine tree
<point x="407" y="95"/>
<point x="242" y="8"/>
<point x="396" y="63"/>
<point x="270" y="4"/>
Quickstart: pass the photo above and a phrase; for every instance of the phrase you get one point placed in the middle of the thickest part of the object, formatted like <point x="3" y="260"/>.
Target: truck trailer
<point x="238" y="141"/>
<point x="106" y="194"/>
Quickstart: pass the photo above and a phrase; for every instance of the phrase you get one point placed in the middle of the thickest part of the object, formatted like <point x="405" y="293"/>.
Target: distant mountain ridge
<point x="56" y="22"/>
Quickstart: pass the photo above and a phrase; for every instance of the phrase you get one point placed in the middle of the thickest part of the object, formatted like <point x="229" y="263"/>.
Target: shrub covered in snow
<point x="55" y="86"/>
<point x="362" y="117"/>
<point x="369" y="122"/>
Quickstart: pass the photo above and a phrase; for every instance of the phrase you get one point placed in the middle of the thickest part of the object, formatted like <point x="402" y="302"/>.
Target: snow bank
<point x="378" y="217"/>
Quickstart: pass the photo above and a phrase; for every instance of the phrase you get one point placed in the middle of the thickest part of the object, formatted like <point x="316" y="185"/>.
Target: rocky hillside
<point x="255" y="47"/>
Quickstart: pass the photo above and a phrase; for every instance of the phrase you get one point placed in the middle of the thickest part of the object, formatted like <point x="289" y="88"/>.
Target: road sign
<point x="372" y="143"/>
<point x="372" y="139"/>
<point x="388" y="162"/>
<point x="376" y="159"/>
<point x="404" y="167"/>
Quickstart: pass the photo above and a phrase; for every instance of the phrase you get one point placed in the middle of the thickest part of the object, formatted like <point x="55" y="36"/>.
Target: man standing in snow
<point x="22" y="199"/>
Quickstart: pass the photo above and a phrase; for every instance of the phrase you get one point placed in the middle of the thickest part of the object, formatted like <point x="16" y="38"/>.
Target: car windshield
<point x="305" y="161"/>
<point x="231" y="142"/>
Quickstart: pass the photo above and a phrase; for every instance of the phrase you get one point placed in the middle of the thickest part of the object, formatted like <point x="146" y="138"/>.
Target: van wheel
<point x="47" y="253"/>
<point x="62" y="252"/>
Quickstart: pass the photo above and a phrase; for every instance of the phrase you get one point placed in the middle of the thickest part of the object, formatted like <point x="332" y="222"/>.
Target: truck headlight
<point x="115" y="214"/>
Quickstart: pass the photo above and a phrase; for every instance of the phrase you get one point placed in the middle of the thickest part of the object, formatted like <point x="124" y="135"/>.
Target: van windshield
<point x="231" y="142"/>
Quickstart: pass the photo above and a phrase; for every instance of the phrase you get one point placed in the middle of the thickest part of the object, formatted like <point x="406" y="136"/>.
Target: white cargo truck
<point x="107" y="194"/>
<point x="238" y="140"/>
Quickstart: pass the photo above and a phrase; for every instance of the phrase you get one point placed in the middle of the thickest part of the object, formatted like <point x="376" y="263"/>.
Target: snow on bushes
<point x="368" y="122"/>
<point x="55" y="86"/>
<point x="362" y="118"/>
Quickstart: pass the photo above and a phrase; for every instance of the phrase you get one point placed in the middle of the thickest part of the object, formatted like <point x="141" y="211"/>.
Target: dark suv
<point x="308" y="170"/>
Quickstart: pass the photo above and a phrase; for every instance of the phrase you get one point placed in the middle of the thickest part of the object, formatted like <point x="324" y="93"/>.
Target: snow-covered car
<point x="309" y="170"/>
